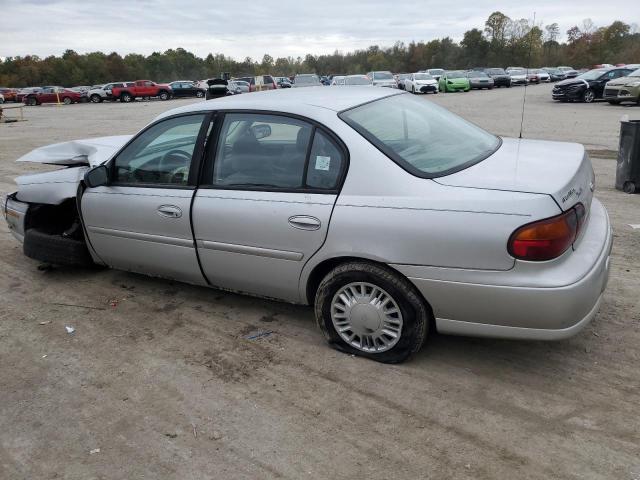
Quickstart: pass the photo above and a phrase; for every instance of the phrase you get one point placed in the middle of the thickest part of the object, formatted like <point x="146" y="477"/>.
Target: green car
<point x="623" y="89"/>
<point x="455" y="81"/>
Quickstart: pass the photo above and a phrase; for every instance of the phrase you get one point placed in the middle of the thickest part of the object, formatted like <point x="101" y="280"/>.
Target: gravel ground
<point x="171" y="381"/>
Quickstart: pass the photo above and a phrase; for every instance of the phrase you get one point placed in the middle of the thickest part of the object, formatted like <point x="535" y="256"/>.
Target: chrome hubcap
<point x="366" y="317"/>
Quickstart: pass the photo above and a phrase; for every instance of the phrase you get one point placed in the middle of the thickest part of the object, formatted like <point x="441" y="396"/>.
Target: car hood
<point x="91" y="151"/>
<point x="571" y="81"/>
<point x="559" y="169"/>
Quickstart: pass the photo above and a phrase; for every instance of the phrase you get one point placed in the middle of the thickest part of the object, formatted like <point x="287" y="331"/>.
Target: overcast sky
<point x="240" y="28"/>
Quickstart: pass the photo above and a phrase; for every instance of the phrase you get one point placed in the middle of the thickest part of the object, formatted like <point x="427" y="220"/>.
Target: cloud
<point x="252" y="28"/>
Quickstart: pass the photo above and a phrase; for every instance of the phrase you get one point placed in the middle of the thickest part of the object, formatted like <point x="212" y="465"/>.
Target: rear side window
<point x="258" y="151"/>
<point x="423" y="138"/>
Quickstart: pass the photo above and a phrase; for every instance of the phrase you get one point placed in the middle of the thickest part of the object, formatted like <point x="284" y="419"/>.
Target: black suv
<point x="588" y="86"/>
<point x="500" y="77"/>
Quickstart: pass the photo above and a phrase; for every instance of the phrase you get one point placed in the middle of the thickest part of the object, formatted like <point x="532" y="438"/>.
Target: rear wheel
<point x="66" y="100"/>
<point x="369" y="310"/>
<point x="629" y="187"/>
<point x="126" y="97"/>
<point x="164" y="95"/>
<point x="31" y="101"/>
<point x="95" y="98"/>
<point x="199" y="94"/>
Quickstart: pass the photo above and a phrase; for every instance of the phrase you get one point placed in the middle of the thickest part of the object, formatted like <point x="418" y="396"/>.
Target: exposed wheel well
<point x="55" y="219"/>
<point x="321" y="270"/>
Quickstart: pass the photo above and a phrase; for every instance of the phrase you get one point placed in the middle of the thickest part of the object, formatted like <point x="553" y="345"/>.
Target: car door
<point x="141" y="220"/>
<point x="265" y="200"/>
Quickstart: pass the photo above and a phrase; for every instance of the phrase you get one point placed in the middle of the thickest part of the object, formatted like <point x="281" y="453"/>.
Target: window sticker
<point x="322" y="163"/>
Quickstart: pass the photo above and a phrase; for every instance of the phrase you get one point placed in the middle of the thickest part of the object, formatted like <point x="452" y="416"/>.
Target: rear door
<point x="264" y="204"/>
<point x="141" y="221"/>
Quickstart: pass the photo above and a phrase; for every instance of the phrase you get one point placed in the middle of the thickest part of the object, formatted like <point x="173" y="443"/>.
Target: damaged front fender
<point x="51" y="188"/>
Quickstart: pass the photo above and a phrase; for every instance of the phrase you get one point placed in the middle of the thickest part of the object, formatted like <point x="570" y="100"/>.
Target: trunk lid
<point x="562" y="170"/>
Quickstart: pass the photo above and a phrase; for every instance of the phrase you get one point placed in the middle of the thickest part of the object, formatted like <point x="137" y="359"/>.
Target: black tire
<point x="56" y="249"/>
<point x="95" y="98"/>
<point x="416" y="316"/>
<point x="164" y="95"/>
<point x="199" y="94"/>
<point x="588" y="96"/>
<point x="31" y="101"/>
<point x="126" y="98"/>
<point x="67" y="100"/>
<point x="629" y="187"/>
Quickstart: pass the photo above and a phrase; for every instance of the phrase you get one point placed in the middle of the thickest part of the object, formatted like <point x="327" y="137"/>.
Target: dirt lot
<point x="175" y="381"/>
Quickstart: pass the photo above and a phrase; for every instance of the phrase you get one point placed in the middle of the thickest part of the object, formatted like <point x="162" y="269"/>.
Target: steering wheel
<point x="174" y="161"/>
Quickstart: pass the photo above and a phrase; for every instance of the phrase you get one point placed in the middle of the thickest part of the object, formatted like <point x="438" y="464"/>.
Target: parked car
<point x="306" y="80"/>
<point x="382" y="79"/>
<point x="1" y="98"/>
<point x="51" y="95"/>
<point x="338" y="80"/>
<point x="435" y="72"/>
<point x="141" y="89"/>
<point x="588" y="86"/>
<point x="400" y="79"/>
<point x="21" y="93"/>
<point x="454" y="81"/>
<point x="421" y="222"/>
<point x="100" y="93"/>
<point x="9" y="94"/>
<point x="518" y="75"/>
<point x="187" y="88"/>
<point x="259" y="82"/>
<point x="238" y="87"/>
<point x="499" y="76"/>
<point x="217" y="88"/>
<point x="421" y="83"/>
<point x="282" y="82"/>
<point x="324" y="80"/>
<point x="479" y="80"/>
<point x="358" y="80"/>
<point x="555" y="75"/>
<point x="570" y="72"/>
<point x="543" y="76"/>
<point x="532" y="76"/>
<point x="623" y="89"/>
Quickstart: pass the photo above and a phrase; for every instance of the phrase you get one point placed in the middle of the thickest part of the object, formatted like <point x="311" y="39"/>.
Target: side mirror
<point x="97" y="176"/>
<point x="261" y="131"/>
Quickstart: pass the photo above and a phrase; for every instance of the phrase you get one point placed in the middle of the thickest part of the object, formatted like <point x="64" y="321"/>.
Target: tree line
<point x="501" y="42"/>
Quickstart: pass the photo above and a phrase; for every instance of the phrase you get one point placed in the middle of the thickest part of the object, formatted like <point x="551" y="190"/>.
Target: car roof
<point x="291" y="100"/>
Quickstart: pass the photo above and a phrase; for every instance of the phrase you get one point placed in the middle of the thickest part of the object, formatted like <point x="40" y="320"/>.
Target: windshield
<point x="592" y="74"/>
<point x="311" y="79"/>
<point x="635" y="73"/>
<point x="359" y="80"/>
<point x="496" y="71"/>
<point x="422" y="137"/>
<point x="475" y="74"/>
<point x="436" y="71"/>
<point x="456" y="75"/>
<point x="516" y="71"/>
<point x="422" y="76"/>
<point x="382" y="76"/>
<point x="403" y="76"/>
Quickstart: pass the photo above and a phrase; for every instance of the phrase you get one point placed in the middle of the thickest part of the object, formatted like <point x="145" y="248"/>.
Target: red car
<point x="9" y="94"/>
<point x="142" y="89"/>
<point x="51" y="95"/>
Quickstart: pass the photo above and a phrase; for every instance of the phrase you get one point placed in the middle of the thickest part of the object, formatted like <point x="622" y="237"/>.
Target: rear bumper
<point x="536" y="301"/>
<point x="14" y="213"/>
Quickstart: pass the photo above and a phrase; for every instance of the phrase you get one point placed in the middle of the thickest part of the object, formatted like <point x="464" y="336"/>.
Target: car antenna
<point x="524" y="97"/>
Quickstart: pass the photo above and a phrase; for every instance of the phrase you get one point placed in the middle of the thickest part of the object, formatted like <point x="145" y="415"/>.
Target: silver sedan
<point x="391" y="216"/>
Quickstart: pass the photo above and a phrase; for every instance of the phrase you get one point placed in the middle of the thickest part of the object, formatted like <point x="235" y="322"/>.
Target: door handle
<point x="169" y="211"/>
<point x="304" y="222"/>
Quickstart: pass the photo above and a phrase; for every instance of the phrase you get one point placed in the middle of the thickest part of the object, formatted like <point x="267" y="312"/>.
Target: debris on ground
<point x="171" y="435"/>
<point x="254" y="336"/>
<point x="69" y="329"/>
<point x="46" y="322"/>
<point x="95" y="450"/>
<point x="113" y="302"/>
<point x="215" y="435"/>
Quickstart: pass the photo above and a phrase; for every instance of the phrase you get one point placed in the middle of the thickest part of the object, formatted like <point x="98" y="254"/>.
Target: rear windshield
<point x="422" y="137"/>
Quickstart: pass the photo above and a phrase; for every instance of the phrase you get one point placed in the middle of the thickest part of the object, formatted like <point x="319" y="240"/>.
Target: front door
<point x="141" y="221"/>
<point x="264" y="204"/>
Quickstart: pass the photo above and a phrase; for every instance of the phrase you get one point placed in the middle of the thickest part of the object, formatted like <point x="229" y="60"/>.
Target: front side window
<point x="162" y="154"/>
<point x="425" y="139"/>
<point x="274" y="152"/>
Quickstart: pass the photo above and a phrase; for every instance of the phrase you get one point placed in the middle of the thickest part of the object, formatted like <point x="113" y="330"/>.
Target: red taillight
<point x="547" y="239"/>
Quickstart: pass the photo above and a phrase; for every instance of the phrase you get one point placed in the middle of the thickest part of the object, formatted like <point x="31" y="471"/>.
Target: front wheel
<point x="199" y="94"/>
<point x="31" y="101"/>
<point x="588" y="96"/>
<point x="126" y="98"/>
<point x="95" y="98"/>
<point x="369" y="310"/>
<point x="66" y="101"/>
<point x="164" y="96"/>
